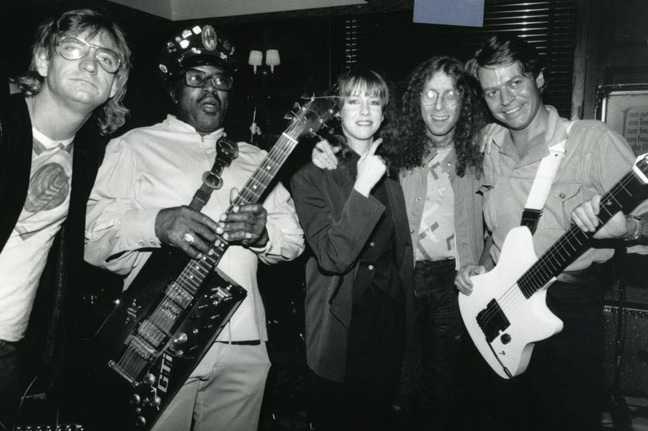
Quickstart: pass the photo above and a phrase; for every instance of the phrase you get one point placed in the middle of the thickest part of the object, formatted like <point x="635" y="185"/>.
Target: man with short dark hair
<point x="562" y="387"/>
<point x="78" y="72"/>
<point x="139" y="203"/>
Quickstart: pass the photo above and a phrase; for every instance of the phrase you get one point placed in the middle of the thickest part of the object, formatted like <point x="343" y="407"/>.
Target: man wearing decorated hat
<point x="139" y="203"/>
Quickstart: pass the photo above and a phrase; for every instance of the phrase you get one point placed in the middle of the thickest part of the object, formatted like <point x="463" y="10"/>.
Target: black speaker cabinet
<point x="626" y="349"/>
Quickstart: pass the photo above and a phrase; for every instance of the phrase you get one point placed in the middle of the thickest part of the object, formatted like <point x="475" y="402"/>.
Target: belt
<point x="433" y="264"/>
<point x="242" y="343"/>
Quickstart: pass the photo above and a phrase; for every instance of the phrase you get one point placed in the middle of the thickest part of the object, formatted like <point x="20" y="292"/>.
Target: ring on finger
<point x="189" y="238"/>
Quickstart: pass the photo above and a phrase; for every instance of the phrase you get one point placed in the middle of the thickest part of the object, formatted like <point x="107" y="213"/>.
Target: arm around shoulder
<point x="285" y="236"/>
<point x="337" y="220"/>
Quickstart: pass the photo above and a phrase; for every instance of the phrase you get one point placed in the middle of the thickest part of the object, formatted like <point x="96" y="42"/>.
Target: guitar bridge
<point x="492" y="320"/>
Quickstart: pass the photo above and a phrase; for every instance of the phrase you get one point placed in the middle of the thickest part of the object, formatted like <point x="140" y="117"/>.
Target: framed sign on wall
<point x="624" y="107"/>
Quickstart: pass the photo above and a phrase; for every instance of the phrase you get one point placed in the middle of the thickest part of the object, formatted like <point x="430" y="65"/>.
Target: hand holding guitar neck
<point x="187" y="229"/>
<point x="245" y="224"/>
<point x="586" y="217"/>
<point x="506" y="313"/>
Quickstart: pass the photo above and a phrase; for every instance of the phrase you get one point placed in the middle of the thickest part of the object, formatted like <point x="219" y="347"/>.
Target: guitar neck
<point x="258" y="183"/>
<point x="575" y="242"/>
<point x="195" y="272"/>
<point x="308" y="120"/>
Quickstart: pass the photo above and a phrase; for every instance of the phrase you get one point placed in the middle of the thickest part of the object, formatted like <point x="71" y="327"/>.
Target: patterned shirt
<point x="436" y="232"/>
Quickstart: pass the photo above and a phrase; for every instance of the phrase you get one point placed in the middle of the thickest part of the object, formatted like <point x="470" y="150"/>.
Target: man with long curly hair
<point x="48" y="162"/>
<point x="439" y="163"/>
<point x="440" y="166"/>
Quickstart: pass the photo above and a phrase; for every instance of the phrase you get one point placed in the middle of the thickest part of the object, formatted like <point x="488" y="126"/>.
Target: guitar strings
<point x="514" y="296"/>
<point x="191" y="278"/>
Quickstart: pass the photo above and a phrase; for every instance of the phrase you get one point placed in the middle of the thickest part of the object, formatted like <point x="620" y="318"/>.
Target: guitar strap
<point x="542" y="184"/>
<point x="226" y="151"/>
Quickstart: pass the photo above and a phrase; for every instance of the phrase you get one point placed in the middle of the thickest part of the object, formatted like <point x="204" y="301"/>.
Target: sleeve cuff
<point x="138" y="229"/>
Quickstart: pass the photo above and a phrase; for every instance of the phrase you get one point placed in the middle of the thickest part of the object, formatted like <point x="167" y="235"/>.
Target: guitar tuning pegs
<point x="289" y="116"/>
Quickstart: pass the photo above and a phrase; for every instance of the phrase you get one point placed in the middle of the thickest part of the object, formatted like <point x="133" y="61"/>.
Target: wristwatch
<point x="638" y="228"/>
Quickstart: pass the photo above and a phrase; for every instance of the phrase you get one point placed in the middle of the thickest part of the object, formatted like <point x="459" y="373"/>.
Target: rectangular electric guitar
<point x="176" y="307"/>
<point x="506" y="313"/>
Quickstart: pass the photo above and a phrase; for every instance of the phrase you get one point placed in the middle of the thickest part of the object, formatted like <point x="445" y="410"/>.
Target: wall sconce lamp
<point x="255" y="59"/>
<point x="272" y="59"/>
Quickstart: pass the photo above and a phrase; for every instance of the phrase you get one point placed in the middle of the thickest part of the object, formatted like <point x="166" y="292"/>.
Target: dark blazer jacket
<point x="337" y="222"/>
<point x="51" y="313"/>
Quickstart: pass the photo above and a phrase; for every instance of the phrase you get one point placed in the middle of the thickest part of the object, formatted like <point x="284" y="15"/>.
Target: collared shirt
<point x="468" y="221"/>
<point x="161" y="166"/>
<point x="596" y="158"/>
<point x="436" y="232"/>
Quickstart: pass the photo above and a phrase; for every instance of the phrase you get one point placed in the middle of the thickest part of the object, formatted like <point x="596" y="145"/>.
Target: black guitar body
<point x="153" y="361"/>
<point x="176" y="307"/>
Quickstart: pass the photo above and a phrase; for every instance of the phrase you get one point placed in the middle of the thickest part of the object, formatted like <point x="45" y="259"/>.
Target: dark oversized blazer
<point x="50" y="314"/>
<point x="337" y="222"/>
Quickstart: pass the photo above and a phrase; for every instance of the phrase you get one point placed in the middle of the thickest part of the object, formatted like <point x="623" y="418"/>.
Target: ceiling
<point x="177" y="10"/>
<point x="223" y="11"/>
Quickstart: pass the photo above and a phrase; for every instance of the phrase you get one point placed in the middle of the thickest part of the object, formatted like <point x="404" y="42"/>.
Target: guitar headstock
<point x="311" y="117"/>
<point x="641" y="168"/>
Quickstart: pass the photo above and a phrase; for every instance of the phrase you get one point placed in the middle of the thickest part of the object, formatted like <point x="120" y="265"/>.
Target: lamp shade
<point x="272" y="58"/>
<point x="256" y="59"/>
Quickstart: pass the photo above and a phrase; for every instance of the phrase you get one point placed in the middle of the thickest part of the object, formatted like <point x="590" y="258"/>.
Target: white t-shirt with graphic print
<point x="24" y="256"/>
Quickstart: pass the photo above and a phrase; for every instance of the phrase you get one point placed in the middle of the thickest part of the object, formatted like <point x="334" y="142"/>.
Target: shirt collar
<point x="174" y="122"/>
<point x="449" y="155"/>
<point x="556" y="131"/>
<point x="49" y="143"/>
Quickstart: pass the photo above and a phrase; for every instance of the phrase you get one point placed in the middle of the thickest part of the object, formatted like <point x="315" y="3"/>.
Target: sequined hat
<point x="196" y="46"/>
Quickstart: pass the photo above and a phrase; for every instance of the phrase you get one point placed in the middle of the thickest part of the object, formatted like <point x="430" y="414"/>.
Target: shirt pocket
<point x="562" y="200"/>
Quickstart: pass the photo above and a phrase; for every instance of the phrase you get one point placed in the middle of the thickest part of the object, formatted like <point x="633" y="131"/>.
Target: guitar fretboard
<point x="194" y="274"/>
<point x="575" y="242"/>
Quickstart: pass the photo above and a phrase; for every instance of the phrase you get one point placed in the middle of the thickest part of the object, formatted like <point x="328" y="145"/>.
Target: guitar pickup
<point x="492" y="320"/>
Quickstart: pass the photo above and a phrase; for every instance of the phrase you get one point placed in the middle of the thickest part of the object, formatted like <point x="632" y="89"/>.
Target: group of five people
<point x="390" y="208"/>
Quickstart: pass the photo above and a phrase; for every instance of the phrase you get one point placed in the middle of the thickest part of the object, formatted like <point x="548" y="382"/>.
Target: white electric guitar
<point x="506" y="314"/>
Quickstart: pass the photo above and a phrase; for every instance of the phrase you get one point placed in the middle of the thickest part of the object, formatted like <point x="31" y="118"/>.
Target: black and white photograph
<point x="324" y="215"/>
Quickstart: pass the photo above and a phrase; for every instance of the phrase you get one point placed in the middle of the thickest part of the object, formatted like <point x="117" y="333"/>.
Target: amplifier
<point x="628" y="329"/>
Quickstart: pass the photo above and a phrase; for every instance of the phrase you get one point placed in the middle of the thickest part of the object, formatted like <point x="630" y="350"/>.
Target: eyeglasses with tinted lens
<point x="198" y="79"/>
<point x="71" y="48"/>
<point x="449" y="97"/>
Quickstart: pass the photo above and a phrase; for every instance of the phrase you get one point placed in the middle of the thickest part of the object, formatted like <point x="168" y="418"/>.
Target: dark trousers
<point x="9" y="382"/>
<point x="562" y="389"/>
<point x="375" y="353"/>
<point x="428" y="383"/>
